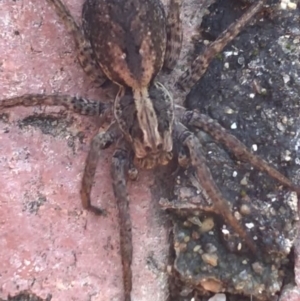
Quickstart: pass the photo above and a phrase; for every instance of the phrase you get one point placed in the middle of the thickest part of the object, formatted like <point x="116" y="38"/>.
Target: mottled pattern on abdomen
<point x="128" y="38"/>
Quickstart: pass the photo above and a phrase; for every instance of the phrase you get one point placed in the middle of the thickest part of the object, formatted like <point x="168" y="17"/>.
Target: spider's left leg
<point x="119" y="170"/>
<point x="201" y="63"/>
<point x="174" y="35"/>
<point x="213" y="194"/>
<point x="77" y="104"/>
<point x="214" y="129"/>
<point x="100" y="141"/>
<point x="85" y="54"/>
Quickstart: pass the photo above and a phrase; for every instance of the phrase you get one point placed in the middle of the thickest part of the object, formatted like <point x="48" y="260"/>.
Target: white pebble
<point x="249" y="225"/>
<point x="283" y="5"/>
<point x="225" y="231"/>
<point x="292" y="5"/>
<point x="218" y="297"/>
<point x="254" y="147"/>
<point x="233" y="126"/>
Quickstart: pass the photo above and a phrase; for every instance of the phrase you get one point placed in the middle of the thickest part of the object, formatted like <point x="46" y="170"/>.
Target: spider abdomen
<point x="128" y="38"/>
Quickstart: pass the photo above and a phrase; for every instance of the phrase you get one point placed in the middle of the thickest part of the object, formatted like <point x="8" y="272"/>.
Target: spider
<point x="129" y="42"/>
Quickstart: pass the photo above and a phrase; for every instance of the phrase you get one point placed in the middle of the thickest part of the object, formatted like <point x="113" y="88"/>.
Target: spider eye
<point x="148" y="149"/>
<point x="159" y="146"/>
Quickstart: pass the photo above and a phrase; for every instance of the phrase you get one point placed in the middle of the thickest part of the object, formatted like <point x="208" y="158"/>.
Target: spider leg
<point x="174" y="35"/>
<point x="119" y="171"/>
<point x="212" y="192"/>
<point x="214" y="129"/>
<point x="101" y="140"/>
<point x="76" y="104"/>
<point x="199" y="66"/>
<point x="85" y="52"/>
<point x="184" y="159"/>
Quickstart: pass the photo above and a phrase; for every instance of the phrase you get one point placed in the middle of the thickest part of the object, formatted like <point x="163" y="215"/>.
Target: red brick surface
<point x="60" y="248"/>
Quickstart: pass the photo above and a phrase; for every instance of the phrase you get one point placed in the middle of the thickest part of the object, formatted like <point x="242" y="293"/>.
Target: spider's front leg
<point x="76" y="104"/>
<point x="214" y="129"/>
<point x="100" y="141"/>
<point x="212" y="192"/>
<point x="174" y="35"/>
<point x="119" y="171"/>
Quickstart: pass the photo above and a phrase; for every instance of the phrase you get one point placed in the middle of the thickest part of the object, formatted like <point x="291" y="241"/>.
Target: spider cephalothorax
<point x="131" y="41"/>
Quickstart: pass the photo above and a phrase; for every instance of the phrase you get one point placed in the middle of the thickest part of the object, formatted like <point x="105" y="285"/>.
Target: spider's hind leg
<point x="121" y="165"/>
<point x="201" y="63"/>
<point x="174" y="35"/>
<point x="214" y="129"/>
<point x="85" y="52"/>
<point x="211" y="192"/>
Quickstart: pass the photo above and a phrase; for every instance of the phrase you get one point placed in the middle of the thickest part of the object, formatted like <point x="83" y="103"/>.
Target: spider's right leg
<point x="211" y="191"/>
<point x="76" y="104"/>
<point x="174" y="35"/>
<point x="100" y="141"/>
<point x="214" y="129"/>
<point x="201" y="63"/>
<point x="85" y="52"/>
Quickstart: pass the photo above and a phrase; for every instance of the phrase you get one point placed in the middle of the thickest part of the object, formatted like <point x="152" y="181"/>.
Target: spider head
<point x="146" y="119"/>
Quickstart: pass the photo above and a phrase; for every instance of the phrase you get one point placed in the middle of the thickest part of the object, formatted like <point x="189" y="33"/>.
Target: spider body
<point x="128" y="39"/>
<point x="131" y="44"/>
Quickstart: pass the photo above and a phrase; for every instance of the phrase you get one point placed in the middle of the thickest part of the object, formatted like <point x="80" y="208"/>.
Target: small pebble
<point x="254" y="147"/>
<point x="211" y="259"/>
<point x="244" y="181"/>
<point x="257" y="268"/>
<point x="237" y="215"/>
<point x="239" y="246"/>
<point x="195" y="220"/>
<point x="186" y="239"/>
<point x="229" y="111"/>
<point x="241" y="60"/>
<point x="249" y="225"/>
<point x="210" y="248"/>
<point x="218" y="297"/>
<point x="245" y="209"/>
<point x="196" y="248"/>
<point x="225" y="231"/>
<point x="280" y="127"/>
<point x="233" y="126"/>
<point x="286" y="78"/>
<point x="292" y="5"/>
<point x="207" y="225"/>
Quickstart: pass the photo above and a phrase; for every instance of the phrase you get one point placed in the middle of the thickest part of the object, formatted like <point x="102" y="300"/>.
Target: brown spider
<point x="132" y="41"/>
